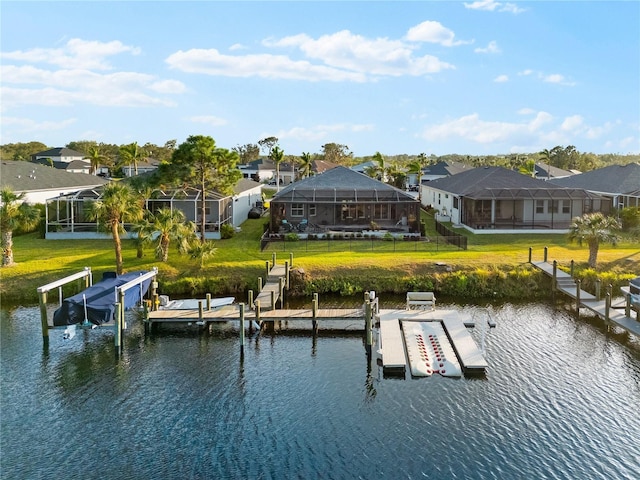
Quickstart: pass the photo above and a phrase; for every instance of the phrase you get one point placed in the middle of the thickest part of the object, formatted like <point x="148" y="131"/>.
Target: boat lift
<point x="86" y="274"/>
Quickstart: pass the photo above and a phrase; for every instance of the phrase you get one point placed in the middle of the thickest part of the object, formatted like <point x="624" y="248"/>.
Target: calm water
<point x="560" y="401"/>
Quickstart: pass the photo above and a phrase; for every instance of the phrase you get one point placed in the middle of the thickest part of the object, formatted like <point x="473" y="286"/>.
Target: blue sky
<point x="475" y="78"/>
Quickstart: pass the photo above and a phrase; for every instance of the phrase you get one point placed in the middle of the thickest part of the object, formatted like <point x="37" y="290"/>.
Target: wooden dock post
<point x="607" y="307"/>
<point x="530" y="254"/>
<point x="571" y="268"/>
<point x="627" y="306"/>
<point x="200" y="311"/>
<point x="273" y="299"/>
<point x="259" y="284"/>
<point x="208" y="301"/>
<point x="314" y="313"/>
<point x="153" y="291"/>
<point x="554" y="280"/>
<point x="256" y="305"/>
<point x="273" y="259"/>
<point x="250" y="299"/>
<point x="291" y="259"/>
<point x="44" y="320"/>
<point x="118" y="327"/>
<point x="266" y="264"/>
<point x="368" y="317"/>
<point x="546" y="251"/>
<point x="578" y="301"/>
<point x="281" y="291"/>
<point x="598" y="282"/>
<point x="286" y="275"/>
<point x="241" y="327"/>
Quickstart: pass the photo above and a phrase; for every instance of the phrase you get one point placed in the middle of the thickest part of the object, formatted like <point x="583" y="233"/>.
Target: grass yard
<point x="239" y="261"/>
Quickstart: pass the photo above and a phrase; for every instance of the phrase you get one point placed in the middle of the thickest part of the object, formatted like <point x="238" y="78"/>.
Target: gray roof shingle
<point x="28" y="176"/>
<point x="617" y="179"/>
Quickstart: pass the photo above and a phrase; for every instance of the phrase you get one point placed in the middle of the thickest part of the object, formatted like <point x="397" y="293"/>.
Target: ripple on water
<point x="559" y="401"/>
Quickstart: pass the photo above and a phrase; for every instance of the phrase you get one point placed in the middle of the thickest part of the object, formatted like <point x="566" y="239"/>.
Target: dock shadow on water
<point x="559" y="400"/>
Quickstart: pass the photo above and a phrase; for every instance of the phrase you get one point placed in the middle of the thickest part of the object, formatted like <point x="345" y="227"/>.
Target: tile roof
<point x="28" y="176"/>
<point x="619" y="179"/>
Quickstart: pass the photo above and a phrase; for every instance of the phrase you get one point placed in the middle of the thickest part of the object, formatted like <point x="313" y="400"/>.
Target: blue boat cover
<point x="100" y="300"/>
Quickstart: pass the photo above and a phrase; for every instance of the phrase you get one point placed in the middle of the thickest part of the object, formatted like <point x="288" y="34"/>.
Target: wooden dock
<point x="565" y="283"/>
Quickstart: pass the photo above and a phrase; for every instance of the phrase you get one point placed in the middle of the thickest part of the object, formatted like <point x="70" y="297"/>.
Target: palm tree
<point x="117" y="205"/>
<point x="96" y="158"/>
<point x="131" y="155"/>
<point x="306" y="163"/>
<point x="171" y="226"/>
<point x="415" y="167"/>
<point x="381" y="168"/>
<point x="202" y="251"/>
<point x="528" y="168"/>
<point x="594" y="228"/>
<point x="144" y="234"/>
<point x="14" y="215"/>
<point x="276" y="154"/>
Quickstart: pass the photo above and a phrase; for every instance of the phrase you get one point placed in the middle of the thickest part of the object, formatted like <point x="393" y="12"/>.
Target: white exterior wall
<point x="243" y="202"/>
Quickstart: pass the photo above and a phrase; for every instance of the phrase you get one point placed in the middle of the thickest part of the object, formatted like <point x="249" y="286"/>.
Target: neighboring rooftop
<point x="28" y="176"/>
<point x="622" y="179"/>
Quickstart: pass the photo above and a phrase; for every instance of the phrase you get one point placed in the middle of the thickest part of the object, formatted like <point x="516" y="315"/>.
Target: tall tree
<point x="118" y="204"/>
<point x="247" y="153"/>
<point x="200" y="163"/>
<point x="306" y="162"/>
<point x="131" y="154"/>
<point x="528" y="168"/>
<point x="277" y="155"/>
<point x="96" y="158"/>
<point x="171" y="226"/>
<point x="594" y="228"/>
<point x="381" y="166"/>
<point x="267" y="144"/>
<point x="415" y="167"/>
<point x="14" y="215"/>
<point x="336" y="153"/>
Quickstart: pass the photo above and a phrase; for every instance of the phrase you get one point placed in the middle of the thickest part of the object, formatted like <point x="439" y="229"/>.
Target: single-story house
<point x="66" y="215"/>
<point x="40" y="183"/>
<point x="145" y="166"/>
<point x="342" y="199"/>
<point x="544" y="171"/>
<point x="498" y="200"/>
<point x="619" y="183"/>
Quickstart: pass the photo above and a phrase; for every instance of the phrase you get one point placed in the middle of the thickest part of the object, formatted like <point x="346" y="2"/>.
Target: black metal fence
<point x="451" y="237"/>
<point x="359" y="244"/>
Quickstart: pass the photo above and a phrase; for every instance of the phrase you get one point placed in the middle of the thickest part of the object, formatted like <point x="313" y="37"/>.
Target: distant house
<point x="66" y="215"/>
<point x="544" y="171"/>
<point x="40" y="183"/>
<point x="145" y="166"/>
<point x="63" y="159"/>
<point x="497" y="200"/>
<point x="443" y="170"/>
<point x="341" y="199"/>
<point x="321" y="166"/>
<point x="619" y="183"/>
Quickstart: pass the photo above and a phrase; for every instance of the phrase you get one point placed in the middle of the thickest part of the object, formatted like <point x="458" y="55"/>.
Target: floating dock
<point x="440" y="331"/>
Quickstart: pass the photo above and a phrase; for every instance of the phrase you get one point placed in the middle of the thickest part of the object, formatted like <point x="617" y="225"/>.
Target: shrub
<point x="227" y="231"/>
<point x="291" y="237"/>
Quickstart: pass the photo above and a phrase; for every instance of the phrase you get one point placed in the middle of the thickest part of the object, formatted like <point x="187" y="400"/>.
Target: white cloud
<point x="237" y="46"/>
<point x="338" y="57"/>
<point x="501" y="79"/>
<point x="212" y="62"/>
<point x="491" y="48"/>
<point x="76" y="53"/>
<point x="69" y="87"/>
<point x="320" y="132"/>
<point x="28" y="125"/>
<point x="526" y="72"/>
<point x="572" y="123"/>
<point x="208" y="120"/>
<point x="526" y="111"/>
<point x="472" y="128"/>
<point x="433" y="32"/>
<point x="491" y="5"/>
<point x="556" y="78"/>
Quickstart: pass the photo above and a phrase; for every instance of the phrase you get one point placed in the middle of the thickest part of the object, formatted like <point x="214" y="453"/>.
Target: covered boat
<point x="97" y="303"/>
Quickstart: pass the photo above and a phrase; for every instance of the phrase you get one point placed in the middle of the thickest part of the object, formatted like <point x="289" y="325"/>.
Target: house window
<point x="455" y="202"/>
<point x="566" y="206"/>
<point x="554" y="206"/>
<point x="297" y="209"/>
<point x="312" y="210"/>
<point x="539" y="206"/>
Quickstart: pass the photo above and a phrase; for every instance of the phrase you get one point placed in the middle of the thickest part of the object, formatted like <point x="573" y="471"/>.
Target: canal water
<point x="559" y="401"/>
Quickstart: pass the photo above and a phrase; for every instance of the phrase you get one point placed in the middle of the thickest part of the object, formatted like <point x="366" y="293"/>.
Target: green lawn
<point x="239" y="261"/>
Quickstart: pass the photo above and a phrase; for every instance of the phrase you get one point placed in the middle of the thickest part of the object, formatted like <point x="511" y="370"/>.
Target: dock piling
<point x="530" y="254"/>
<point x="44" y="320"/>
<point x="259" y="284"/>
<point x="118" y="327"/>
<point x="546" y="251"/>
<point x="578" y="301"/>
<point x="598" y="282"/>
<point x="241" y="327"/>
<point x="250" y="299"/>
<point x="266" y="264"/>
<point x="314" y="313"/>
<point x="273" y="259"/>
<point x="208" y="301"/>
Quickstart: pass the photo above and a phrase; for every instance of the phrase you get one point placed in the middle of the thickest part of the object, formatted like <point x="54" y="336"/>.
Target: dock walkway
<point x="566" y="284"/>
